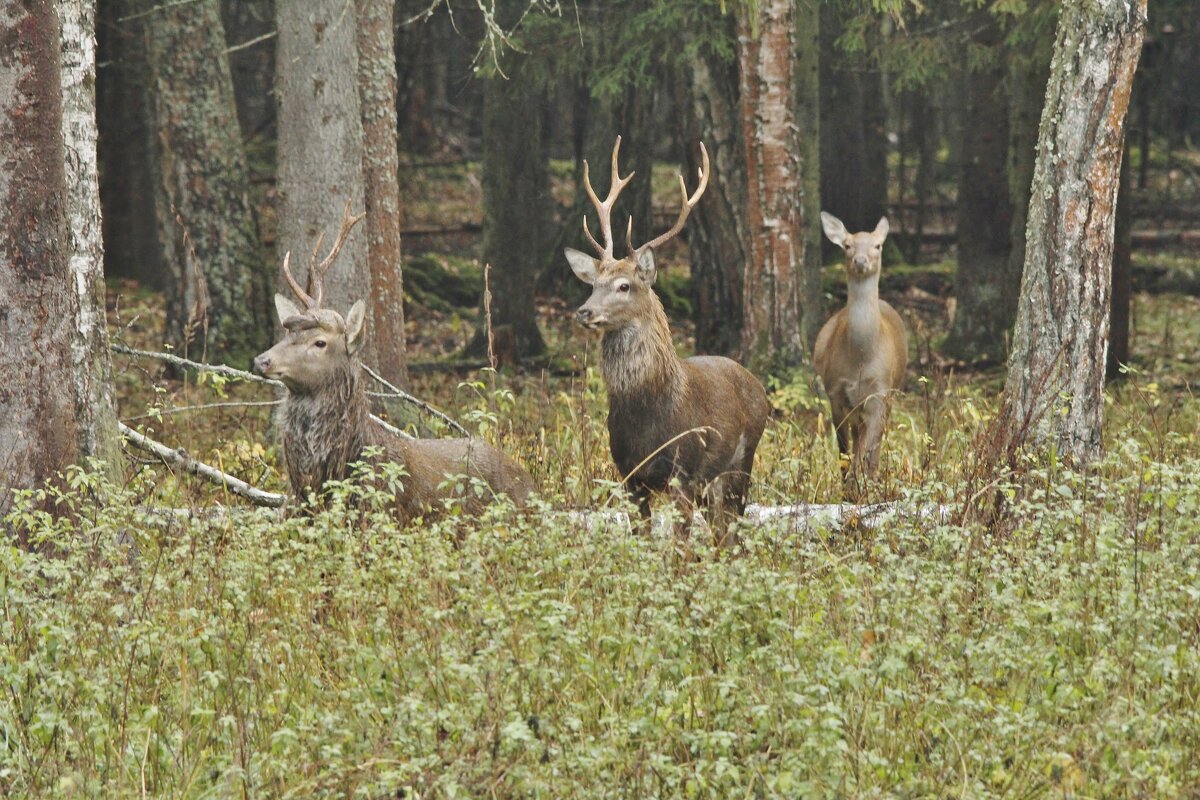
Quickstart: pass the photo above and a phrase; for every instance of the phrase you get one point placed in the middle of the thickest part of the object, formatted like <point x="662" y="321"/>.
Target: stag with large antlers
<point x="689" y="426"/>
<point x="325" y="419"/>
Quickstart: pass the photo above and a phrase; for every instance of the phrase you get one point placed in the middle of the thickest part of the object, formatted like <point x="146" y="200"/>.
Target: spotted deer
<point x="325" y="419"/>
<point x="687" y="426"/>
<point x="861" y="353"/>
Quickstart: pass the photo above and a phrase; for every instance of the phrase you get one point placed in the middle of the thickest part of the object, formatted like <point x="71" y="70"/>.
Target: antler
<point x="604" y="209"/>
<point x="317" y="270"/>
<point x="688" y="204"/>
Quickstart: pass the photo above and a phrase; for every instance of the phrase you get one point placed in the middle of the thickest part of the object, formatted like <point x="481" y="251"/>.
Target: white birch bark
<point x="96" y="411"/>
<point x="1054" y="392"/>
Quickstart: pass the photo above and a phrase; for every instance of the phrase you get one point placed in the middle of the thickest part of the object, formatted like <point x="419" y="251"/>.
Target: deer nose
<point x="860" y="261"/>
<point x="584" y="314"/>
<point x="262" y="363"/>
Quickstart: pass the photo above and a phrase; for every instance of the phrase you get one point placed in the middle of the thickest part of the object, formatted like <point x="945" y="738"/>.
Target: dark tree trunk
<point x="808" y="121"/>
<point x="250" y="27"/>
<point x="516" y="198"/>
<point x="126" y="146"/>
<point x="38" y="427"/>
<point x="320" y="150"/>
<point x="1122" y="274"/>
<point x="717" y="236"/>
<point x="853" y="131"/>
<point x="217" y="304"/>
<point x="987" y="282"/>
<point x="95" y="410"/>
<point x="377" y="98"/>
<point x="1056" y="370"/>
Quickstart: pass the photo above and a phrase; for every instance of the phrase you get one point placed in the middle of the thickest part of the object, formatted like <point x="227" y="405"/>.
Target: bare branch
<point x="180" y="459"/>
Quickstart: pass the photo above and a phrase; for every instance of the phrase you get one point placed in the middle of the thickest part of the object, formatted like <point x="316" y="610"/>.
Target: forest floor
<point x="1041" y="639"/>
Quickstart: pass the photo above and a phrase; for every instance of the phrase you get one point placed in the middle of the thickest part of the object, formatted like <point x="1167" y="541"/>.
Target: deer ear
<point x="881" y="230"/>
<point x="355" y="330"/>
<point x="286" y="308"/>
<point x="834" y="229"/>
<point x="583" y="265"/>
<point x="645" y="266"/>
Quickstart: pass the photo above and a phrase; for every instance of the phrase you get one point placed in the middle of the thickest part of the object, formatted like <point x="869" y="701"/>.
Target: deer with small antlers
<point x="325" y="419"/>
<point x="689" y="426"/>
<point x="861" y="353"/>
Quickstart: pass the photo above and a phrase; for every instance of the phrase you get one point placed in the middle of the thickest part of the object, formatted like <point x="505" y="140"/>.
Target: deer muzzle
<point x="588" y="318"/>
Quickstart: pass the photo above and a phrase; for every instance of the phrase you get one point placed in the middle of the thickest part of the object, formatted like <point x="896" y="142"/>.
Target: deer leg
<point x="875" y="413"/>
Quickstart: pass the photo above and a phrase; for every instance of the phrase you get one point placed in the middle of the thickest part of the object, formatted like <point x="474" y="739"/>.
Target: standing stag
<point x="862" y="351"/>
<point x="697" y="421"/>
<point x="325" y="420"/>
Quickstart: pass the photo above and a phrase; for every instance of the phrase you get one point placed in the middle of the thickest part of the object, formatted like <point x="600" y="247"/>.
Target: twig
<point x="421" y="404"/>
<point x="204" y="407"/>
<point x="251" y="42"/>
<point x="179" y="458"/>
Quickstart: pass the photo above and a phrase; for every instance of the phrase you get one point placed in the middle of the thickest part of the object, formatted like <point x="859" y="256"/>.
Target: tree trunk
<point x="38" y="426"/>
<point x="1122" y="274"/>
<point x="987" y="280"/>
<point x="1056" y="370"/>
<point x="717" y="235"/>
<point x="808" y="121"/>
<point x="516" y="197"/>
<point x="126" y="145"/>
<point x="250" y="24"/>
<point x="217" y="293"/>
<point x="853" y="131"/>
<point x="95" y="409"/>
<point x="772" y="331"/>
<point x="377" y="98"/>
<point x="320" y="150"/>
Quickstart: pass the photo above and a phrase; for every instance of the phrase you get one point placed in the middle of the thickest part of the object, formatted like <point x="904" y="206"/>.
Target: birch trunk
<point x="320" y="149"/>
<point x="95" y="408"/>
<point x="772" y="332"/>
<point x="1056" y="371"/>
<point x="381" y="186"/>
<point x="38" y="404"/>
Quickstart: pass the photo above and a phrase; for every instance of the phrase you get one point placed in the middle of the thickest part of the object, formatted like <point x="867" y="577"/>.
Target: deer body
<point x="325" y="419"/>
<point x="697" y="420"/>
<point x="861" y="353"/>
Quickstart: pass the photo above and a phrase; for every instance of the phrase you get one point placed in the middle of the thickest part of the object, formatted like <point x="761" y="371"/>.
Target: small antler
<point x="316" y="271"/>
<point x="604" y="209"/>
<point x="304" y="297"/>
<point x="688" y="204"/>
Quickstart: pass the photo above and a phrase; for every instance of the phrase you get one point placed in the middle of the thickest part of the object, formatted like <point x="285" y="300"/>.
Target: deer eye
<point x="319" y="343"/>
<point x="623" y="286"/>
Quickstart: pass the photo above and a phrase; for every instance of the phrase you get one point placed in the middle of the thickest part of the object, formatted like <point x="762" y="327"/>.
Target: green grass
<point x="1048" y="650"/>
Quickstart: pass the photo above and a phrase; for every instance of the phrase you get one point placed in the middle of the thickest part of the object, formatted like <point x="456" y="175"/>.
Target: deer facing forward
<point x="861" y="353"/>
<point x="325" y="419"/>
<point x="697" y="421"/>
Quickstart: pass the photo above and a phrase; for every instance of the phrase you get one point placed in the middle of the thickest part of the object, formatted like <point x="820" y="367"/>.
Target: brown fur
<point x="861" y="353"/>
<point x="710" y="409"/>
<point x="325" y="421"/>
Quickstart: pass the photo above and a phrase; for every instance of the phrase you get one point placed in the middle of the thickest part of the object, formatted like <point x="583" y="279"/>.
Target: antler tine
<point x="316" y="271"/>
<point x="291" y="279"/>
<point x="629" y="238"/>
<point x="604" y="208"/>
<point x="688" y="203"/>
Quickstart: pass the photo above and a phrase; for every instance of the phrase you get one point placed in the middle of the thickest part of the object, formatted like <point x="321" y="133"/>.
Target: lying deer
<point x="696" y="420"/>
<point x="325" y="420"/>
<point x="862" y="351"/>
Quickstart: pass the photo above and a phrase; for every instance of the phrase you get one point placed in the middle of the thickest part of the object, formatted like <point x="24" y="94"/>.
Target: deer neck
<point x="640" y="358"/>
<point x="862" y="306"/>
<point x="329" y="423"/>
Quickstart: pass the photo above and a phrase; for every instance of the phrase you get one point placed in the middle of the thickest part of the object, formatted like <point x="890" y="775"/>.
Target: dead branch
<point x="180" y="459"/>
<point x="393" y="391"/>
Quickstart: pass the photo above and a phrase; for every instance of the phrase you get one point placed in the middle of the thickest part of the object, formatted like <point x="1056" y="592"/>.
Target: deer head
<point x="864" y="251"/>
<point x="621" y="288"/>
<point x="318" y="343"/>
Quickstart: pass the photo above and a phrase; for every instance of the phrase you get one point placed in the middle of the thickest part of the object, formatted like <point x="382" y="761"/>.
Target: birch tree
<point x="95" y="407"/>
<point x="1056" y="371"/>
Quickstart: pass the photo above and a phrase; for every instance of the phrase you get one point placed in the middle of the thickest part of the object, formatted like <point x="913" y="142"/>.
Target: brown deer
<point x="325" y="419"/>
<point x="862" y="351"/>
<point x="697" y="421"/>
